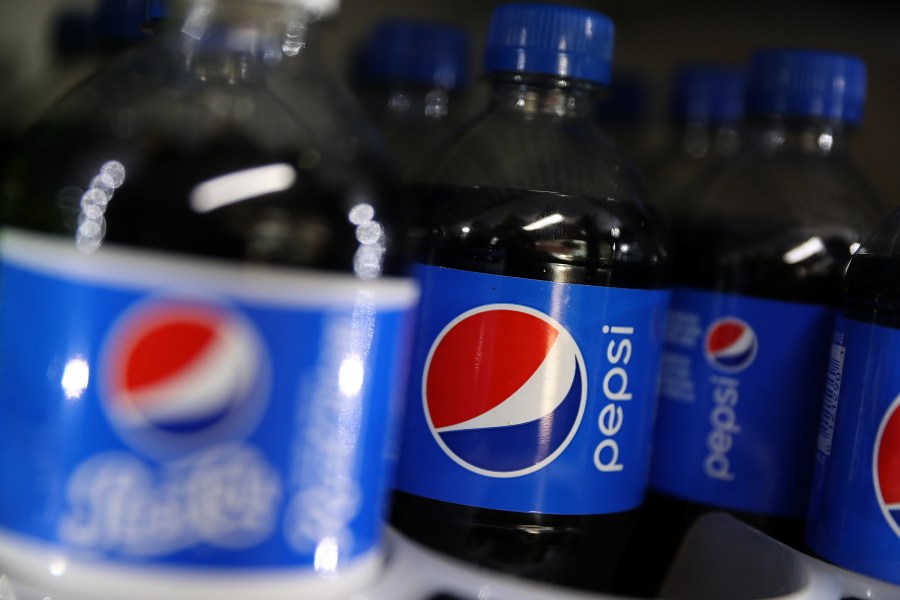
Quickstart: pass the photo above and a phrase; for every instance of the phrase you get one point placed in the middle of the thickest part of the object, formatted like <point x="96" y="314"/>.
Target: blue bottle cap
<point x="121" y="20"/>
<point x="157" y="10"/>
<point x="708" y="94"/>
<point x="73" y="33"/>
<point x="571" y="43"/>
<point x="416" y="52"/>
<point x="626" y="100"/>
<point x="807" y="83"/>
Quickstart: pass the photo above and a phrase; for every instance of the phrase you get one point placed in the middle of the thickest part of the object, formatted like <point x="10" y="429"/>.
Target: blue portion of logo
<point x="851" y="519"/>
<point x="730" y="345"/>
<point x="156" y="430"/>
<point x="490" y="449"/>
<point x="498" y="433"/>
<point x="740" y="395"/>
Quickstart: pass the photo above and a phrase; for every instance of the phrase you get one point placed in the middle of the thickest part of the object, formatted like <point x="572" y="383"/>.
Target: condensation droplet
<point x="92" y="211"/>
<point x="294" y="38"/>
<point x="90" y="234"/>
<point x="94" y="197"/>
<point x="367" y="262"/>
<point x="115" y="171"/>
<point x="369" y="233"/>
<point x="361" y="213"/>
<point x="104" y="183"/>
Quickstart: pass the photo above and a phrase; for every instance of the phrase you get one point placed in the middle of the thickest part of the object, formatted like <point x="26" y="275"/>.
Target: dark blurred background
<point x="652" y="38"/>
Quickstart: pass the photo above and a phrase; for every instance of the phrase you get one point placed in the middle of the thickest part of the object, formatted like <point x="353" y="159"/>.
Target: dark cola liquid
<point x="163" y="205"/>
<point x="872" y="290"/>
<point x="537" y="235"/>
<point x="583" y="241"/>
<point x="752" y="261"/>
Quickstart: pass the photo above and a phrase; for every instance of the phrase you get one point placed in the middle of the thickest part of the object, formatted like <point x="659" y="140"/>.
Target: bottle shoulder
<point x="560" y="154"/>
<point x="787" y="191"/>
<point x="212" y="165"/>
<point x="581" y="239"/>
<point x="776" y="227"/>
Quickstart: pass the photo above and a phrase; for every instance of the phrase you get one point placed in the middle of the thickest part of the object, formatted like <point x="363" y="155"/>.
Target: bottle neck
<point x="408" y="102"/>
<point x="543" y="95"/>
<point x="235" y="40"/>
<point x="773" y="135"/>
<point x="702" y="139"/>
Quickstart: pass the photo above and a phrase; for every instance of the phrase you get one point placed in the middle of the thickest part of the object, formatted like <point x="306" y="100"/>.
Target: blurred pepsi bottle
<point x="526" y="439"/>
<point x="82" y="40"/>
<point x="706" y="104"/>
<point x="622" y="112"/>
<point x="758" y="259"/>
<point x="201" y="329"/>
<point x="854" y="510"/>
<point x="112" y="26"/>
<point x="410" y="77"/>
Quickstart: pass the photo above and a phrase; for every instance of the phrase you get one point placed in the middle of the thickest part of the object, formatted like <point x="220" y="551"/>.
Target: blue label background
<point x="571" y="484"/>
<point x="45" y="321"/>
<point x="846" y="524"/>
<point x="778" y="410"/>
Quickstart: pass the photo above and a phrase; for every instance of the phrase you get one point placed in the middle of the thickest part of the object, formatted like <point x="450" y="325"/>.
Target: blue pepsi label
<point x="169" y="410"/>
<point x="854" y="509"/>
<point x="741" y="389"/>
<point x="531" y="396"/>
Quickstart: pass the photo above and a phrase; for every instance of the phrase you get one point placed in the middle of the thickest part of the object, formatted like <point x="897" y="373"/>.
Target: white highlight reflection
<point x="242" y="185"/>
<point x="541" y="223"/>
<point x="854" y="247"/>
<point x="350" y="376"/>
<point x="75" y="378"/>
<point x="91" y="220"/>
<point x="58" y="566"/>
<point x="809" y="248"/>
<point x="326" y="557"/>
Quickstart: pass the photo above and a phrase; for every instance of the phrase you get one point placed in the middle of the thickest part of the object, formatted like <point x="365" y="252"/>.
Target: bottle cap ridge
<point x="708" y="94"/>
<point x="808" y="83"/>
<point x="417" y="52"/>
<point x="568" y="42"/>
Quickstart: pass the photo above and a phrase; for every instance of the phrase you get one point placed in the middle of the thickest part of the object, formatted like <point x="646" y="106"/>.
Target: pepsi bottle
<point x="525" y="443"/>
<point x="81" y="41"/>
<point x="758" y="257"/>
<point x="853" y="517"/>
<point x="624" y="111"/>
<point x="411" y="77"/>
<point x="110" y="28"/>
<point x="202" y="328"/>
<point x="706" y="104"/>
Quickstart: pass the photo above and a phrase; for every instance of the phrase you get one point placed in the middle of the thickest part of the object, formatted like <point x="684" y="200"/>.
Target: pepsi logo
<point x="504" y="390"/>
<point x="886" y="466"/>
<point x="730" y="345"/>
<point x="179" y="375"/>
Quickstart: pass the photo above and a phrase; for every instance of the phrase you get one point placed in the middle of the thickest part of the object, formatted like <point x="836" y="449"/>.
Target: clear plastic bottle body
<point x="559" y="149"/>
<point x="410" y="76"/>
<point x="412" y="119"/>
<point x="697" y="148"/>
<point x="184" y="97"/>
<point x="870" y="285"/>
<point x="532" y="188"/>
<point x="794" y="183"/>
<point x="778" y="223"/>
<point x="852" y="516"/>
<point x="705" y="107"/>
<point x="175" y="182"/>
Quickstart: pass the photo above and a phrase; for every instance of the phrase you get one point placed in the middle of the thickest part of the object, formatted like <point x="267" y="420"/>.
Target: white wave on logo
<point x="539" y="396"/>
<point x="740" y="346"/>
<point x="205" y="387"/>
